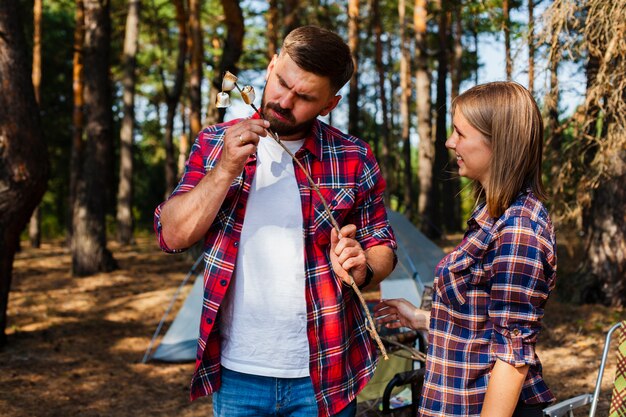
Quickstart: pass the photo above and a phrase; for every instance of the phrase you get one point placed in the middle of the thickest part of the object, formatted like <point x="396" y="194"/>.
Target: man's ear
<point x="270" y="66"/>
<point x="332" y="103"/>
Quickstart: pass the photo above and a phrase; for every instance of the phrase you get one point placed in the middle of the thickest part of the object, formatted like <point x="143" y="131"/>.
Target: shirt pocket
<point x="340" y="201"/>
<point x="461" y="274"/>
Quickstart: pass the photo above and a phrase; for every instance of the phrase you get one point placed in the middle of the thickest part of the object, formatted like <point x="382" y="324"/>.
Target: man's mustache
<point x="283" y="112"/>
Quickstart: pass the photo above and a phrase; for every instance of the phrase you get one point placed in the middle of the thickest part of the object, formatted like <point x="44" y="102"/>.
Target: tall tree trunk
<point x="506" y="27"/>
<point x="604" y="224"/>
<point x="172" y="98"/>
<point x="183" y="150"/>
<point x="89" y="252"/>
<point x="386" y="166"/>
<point x="405" y="102"/>
<point x="453" y="185"/>
<point x="233" y="46"/>
<point x="353" y="42"/>
<point x="196" y="65"/>
<point x="442" y="205"/>
<point x="456" y="64"/>
<point x="531" y="47"/>
<point x="551" y="105"/>
<point x="34" y="228"/>
<point x="393" y="151"/>
<point x="23" y="155"/>
<point x="272" y="29"/>
<point x="292" y="15"/>
<point x="424" y="123"/>
<point x="603" y="195"/>
<point x="78" y="85"/>
<point x="125" y="189"/>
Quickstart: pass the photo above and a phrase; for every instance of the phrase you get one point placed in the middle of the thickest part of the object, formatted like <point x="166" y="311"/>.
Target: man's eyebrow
<point x="301" y="95"/>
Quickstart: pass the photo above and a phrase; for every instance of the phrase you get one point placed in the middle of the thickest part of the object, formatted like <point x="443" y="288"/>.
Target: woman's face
<point x="473" y="151"/>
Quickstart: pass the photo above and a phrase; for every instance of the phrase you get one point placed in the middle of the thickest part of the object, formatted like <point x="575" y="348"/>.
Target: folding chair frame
<point x="567" y="407"/>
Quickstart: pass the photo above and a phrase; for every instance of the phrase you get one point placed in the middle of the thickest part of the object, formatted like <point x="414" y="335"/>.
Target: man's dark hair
<point x="321" y="52"/>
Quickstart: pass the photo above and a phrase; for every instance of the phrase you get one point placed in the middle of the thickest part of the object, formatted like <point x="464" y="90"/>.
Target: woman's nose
<point x="451" y="142"/>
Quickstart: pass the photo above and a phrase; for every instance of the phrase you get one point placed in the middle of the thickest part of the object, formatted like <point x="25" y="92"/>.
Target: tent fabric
<point x="179" y="343"/>
<point x="417" y="259"/>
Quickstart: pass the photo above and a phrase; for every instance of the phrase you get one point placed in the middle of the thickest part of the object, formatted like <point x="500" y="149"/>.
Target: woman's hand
<point x="398" y="312"/>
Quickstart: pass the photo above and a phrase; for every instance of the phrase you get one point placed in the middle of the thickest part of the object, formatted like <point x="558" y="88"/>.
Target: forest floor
<point x="75" y="344"/>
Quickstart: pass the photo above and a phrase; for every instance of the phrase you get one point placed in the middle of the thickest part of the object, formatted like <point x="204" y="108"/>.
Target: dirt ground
<point x="75" y="344"/>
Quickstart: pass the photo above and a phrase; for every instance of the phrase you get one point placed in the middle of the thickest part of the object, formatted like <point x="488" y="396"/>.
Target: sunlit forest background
<point x="101" y="100"/>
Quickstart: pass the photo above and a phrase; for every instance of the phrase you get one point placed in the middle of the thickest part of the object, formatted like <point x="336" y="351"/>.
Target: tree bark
<point x="78" y="87"/>
<point x="34" y="228"/>
<point x="272" y="29"/>
<point x="125" y="223"/>
<point x="405" y="102"/>
<point x="424" y="122"/>
<point x="551" y="105"/>
<point x="196" y="65"/>
<point x="506" y="27"/>
<point x="531" y="47"/>
<point x="456" y="64"/>
<point x="386" y="166"/>
<point x="24" y="166"/>
<point x="605" y="230"/>
<point x="452" y="187"/>
<point x="233" y="45"/>
<point x="172" y="98"/>
<point x="292" y="15"/>
<point x="353" y="42"/>
<point x="89" y="252"/>
<point x="442" y="201"/>
<point x="184" y="146"/>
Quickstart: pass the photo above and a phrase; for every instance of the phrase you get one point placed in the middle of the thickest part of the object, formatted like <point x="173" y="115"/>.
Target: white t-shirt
<point x="263" y="322"/>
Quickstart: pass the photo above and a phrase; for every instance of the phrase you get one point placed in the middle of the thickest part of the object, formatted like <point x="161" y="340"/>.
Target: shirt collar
<point x="313" y="142"/>
<point x="480" y="217"/>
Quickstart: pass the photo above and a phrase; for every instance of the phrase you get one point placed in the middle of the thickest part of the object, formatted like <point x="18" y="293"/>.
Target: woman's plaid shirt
<point x="489" y="300"/>
<point x="342" y="355"/>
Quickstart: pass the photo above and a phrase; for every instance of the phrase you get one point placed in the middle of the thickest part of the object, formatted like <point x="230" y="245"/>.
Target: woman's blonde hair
<point x="508" y="117"/>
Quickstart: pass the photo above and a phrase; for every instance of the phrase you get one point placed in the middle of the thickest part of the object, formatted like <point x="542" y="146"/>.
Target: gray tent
<point x="417" y="259"/>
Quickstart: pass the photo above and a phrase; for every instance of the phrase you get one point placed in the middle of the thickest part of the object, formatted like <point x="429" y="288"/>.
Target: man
<point x="281" y="332"/>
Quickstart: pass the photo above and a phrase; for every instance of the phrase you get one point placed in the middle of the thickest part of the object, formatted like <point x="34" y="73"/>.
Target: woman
<point x="491" y="290"/>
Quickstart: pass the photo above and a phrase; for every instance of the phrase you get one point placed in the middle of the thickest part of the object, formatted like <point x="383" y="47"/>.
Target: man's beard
<point x="282" y="127"/>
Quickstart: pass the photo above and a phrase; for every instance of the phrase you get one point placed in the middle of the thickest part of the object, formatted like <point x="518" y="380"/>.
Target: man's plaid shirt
<point x="342" y="355"/>
<point x="488" y="303"/>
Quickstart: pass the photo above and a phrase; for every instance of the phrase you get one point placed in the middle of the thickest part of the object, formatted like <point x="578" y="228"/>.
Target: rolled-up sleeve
<point x="370" y="217"/>
<point x="194" y="171"/>
<point x="520" y="284"/>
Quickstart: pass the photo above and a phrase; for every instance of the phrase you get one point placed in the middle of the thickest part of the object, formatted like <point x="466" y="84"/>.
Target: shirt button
<point x="209" y="320"/>
<point x="333" y="203"/>
<point x="236" y="244"/>
<point x="223" y="283"/>
<point x="516" y="332"/>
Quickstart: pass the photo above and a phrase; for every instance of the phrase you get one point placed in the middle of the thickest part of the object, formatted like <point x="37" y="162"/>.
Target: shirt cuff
<point x="162" y="243"/>
<point x="509" y="347"/>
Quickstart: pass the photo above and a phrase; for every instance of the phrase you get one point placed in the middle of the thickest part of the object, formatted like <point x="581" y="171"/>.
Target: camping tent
<point x="417" y="258"/>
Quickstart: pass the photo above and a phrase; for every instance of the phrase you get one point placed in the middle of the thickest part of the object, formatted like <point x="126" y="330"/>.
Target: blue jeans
<point x="244" y="395"/>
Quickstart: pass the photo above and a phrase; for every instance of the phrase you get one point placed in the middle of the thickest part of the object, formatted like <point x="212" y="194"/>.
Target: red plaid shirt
<point x="342" y="355"/>
<point x="490" y="295"/>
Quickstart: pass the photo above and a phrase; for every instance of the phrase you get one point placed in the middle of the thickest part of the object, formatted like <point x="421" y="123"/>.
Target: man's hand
<point x="240" y="141"/>
<point x="346" y="255"/>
